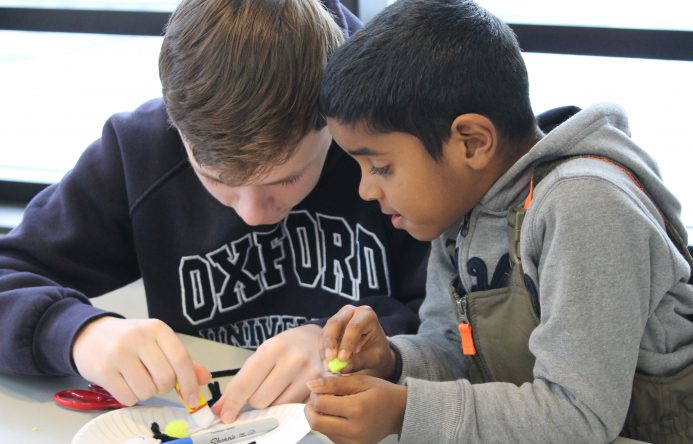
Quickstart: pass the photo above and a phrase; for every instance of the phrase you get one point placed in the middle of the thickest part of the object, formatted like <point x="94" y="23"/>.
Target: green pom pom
<point x="178" y="428"/>
<point x="336" y="365"/>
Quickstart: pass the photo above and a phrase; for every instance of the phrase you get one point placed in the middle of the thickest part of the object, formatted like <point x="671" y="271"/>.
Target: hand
<point x="135" y="359"/>
<point x="275" y="374"/>
<point x="356" y="408"/>
<point x="354" y="333"/>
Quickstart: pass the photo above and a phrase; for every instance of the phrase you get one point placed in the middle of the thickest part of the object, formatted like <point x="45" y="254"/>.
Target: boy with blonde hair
<point x="231" y="203"/>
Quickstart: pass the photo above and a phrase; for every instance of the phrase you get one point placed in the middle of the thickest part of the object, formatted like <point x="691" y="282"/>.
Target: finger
<point x="333" y="329"/>
<point x="137" y="378"/>
<point x="332" y="426"/>
<point x="118" y="388"/>
<point x="202" y="373"/>
<point x="244" y="385"/>
<point x="362" y="323"/>
<point x="182" y="364"/>
<point x="328" y="404"/>
<point x="286" y="381"/>
<point x="159" y="369"/>
<point x="295" y="392"/>
<point x="274" y="384"/>
<point x="337" y="385"/>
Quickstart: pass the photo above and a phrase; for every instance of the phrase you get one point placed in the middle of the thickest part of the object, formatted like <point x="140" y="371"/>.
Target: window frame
<point x="553" y="39"/>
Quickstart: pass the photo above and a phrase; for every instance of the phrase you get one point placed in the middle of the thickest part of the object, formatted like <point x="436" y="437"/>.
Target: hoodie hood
<point x="603" y="278"/>
<point x="344" y="18"/>
<point x="600" y="130"/>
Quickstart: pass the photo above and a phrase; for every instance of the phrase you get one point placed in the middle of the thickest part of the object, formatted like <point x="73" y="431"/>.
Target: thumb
<point x="203" y="375"/>
<point x="338" y="385"/>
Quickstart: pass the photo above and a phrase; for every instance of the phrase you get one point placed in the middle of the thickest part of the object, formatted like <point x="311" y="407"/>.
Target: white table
<point x="28" y="414"/>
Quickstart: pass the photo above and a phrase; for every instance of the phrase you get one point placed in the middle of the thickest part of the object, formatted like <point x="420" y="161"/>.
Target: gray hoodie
<point x="611" y="287"/>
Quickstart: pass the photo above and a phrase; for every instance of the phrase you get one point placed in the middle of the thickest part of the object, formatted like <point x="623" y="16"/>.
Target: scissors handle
<point x="98" y="389"/>
<point x="93" y="398"/>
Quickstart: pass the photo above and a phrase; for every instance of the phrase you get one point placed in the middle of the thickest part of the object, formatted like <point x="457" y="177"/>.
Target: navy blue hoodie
<point x="133" y="208"/>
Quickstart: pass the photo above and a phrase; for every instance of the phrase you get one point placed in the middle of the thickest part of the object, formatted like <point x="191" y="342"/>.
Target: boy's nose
<point x="369" y="190"/>
<point x="255" y="207"/>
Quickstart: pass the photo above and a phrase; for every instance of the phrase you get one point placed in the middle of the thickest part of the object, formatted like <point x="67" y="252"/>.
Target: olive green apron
<point x="495" y="326"/>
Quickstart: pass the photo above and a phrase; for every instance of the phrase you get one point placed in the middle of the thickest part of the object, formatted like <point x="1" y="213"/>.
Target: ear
<point x="477" y="139"/>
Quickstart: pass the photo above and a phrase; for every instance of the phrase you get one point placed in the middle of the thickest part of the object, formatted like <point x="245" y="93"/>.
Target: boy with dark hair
<point x="231" y="203"/>
<point x="558" y="260"/>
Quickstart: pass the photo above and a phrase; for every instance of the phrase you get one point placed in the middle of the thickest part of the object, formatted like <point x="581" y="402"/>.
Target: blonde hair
<point x="241" y="78"/>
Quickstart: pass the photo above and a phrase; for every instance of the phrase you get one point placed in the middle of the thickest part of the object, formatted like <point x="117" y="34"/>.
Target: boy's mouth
<point x="395" y="218"/>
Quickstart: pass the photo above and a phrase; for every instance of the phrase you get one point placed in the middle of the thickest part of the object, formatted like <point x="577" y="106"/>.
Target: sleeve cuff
<point x="57" y="331"/>
<point x="397" y="374"/>
<point x="321" y="322"/>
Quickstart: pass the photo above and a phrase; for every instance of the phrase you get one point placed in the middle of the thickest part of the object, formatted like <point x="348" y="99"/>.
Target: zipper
<point x="460" y="302"/>
<point x="465" y="224"/>
<point x="464" y="327"/>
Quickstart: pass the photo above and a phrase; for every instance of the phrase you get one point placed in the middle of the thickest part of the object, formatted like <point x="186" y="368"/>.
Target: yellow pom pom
<point x="178" y="428"/>
<point x="336" y="365"/>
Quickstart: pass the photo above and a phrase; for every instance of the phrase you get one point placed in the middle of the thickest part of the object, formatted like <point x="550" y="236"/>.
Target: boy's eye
<point x="214" y="181"/>
<point x="381" y="171"/>
<point x="289" y="181"/>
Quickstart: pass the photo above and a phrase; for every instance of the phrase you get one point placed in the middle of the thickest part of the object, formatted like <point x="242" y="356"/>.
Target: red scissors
<point x="93" y="398"/>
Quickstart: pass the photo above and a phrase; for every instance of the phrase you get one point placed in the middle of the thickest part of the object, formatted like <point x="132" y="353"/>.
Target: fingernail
<point x="315" y="384"/>
<point x="343" y="355"/>
<point x="329" y="353"/>
<point x="227" y="417"/>
<point x="193" y="400"/>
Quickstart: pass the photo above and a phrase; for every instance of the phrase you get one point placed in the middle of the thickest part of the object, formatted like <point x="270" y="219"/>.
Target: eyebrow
<point x="363" y="151"/>
<point x="208" y="176"/>
<point x="289" y="178"/>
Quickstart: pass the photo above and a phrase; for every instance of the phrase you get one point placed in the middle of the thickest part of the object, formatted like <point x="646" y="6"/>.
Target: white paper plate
<point x="122" y="425"/>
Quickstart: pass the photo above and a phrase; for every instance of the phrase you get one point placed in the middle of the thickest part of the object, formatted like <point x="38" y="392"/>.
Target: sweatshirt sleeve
<point x="603" y="263"/>
<point x="74" y="243"/>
